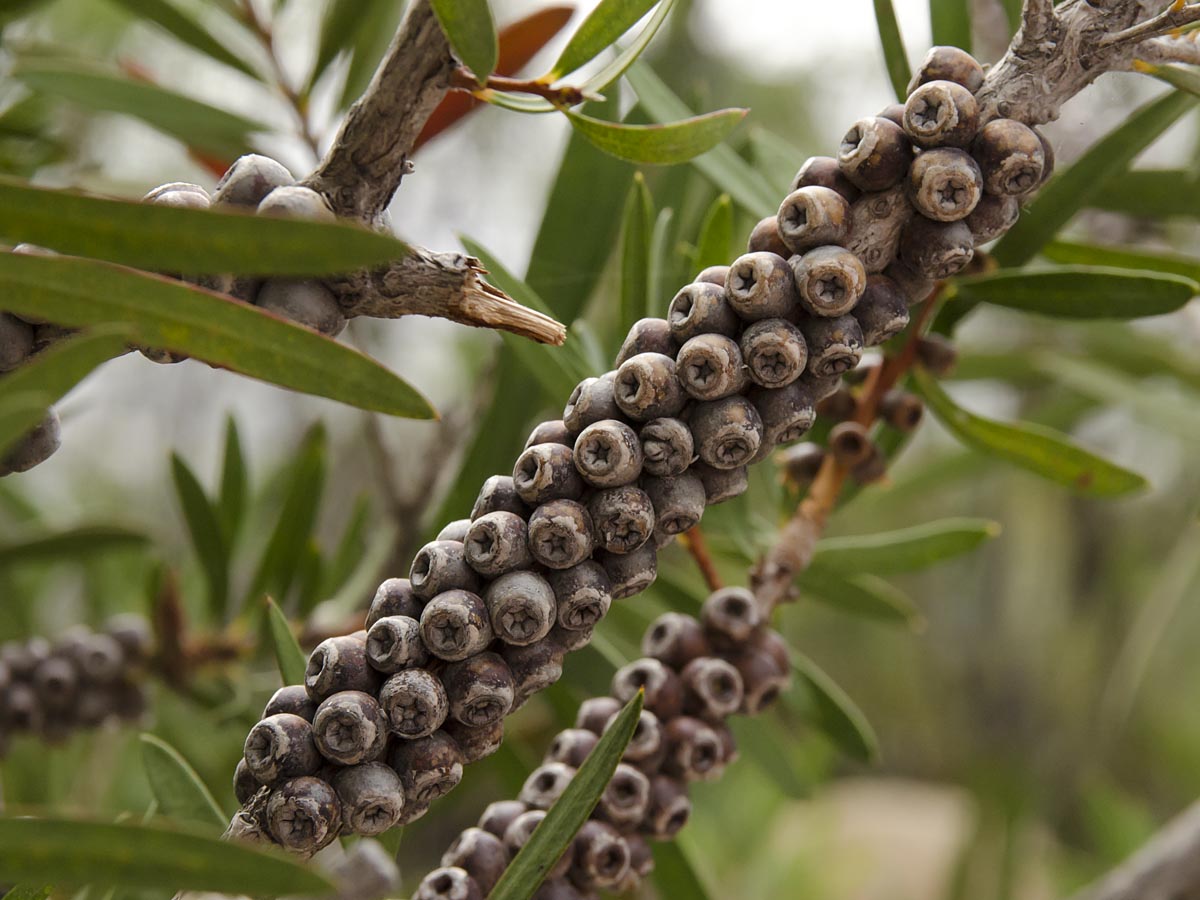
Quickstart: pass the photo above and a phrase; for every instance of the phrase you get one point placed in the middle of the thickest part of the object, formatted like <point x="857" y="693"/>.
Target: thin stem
<point x="695" y="544"/>
<point x="1174" y="16"/>
<point x="462" y="79"/>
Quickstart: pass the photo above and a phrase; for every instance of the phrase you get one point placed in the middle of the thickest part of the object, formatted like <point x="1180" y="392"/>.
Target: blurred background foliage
<point x="1032" y="701"/>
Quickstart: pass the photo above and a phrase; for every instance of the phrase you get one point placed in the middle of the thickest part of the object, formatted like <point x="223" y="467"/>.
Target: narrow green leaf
<point x="379" y="21"/>
<point x="163" y="313"/>
<point x="1185" y="78"/>
<point x="64" y="852"/>
<point x="716" y="235"/>
<point x="196" y="124"/>
<point x="834" y="713"/>
<point x="20" y="414"/>
<point x="862" y="595"/>
<point x="635" y="254"/>
<point x="668" y="144"/>
<point x="208" y="537"/>
<point x="177" y="788"/>
<point x="168" y="239"/>
<point x="904" y="550"/>
<point x="1072" y="189"/>
<point x="895" y="57"/>
<point x="603" y="26"/>
<point x="1151" y="194"/>
<point x="289" y="657"/>
<point x="722" y="166"/>
<point x="551" y="838"/>
<point x="340" y="26"/>
<point x="231" y="502"/>
<point x="1079" y="292"/>
<point x="1040" y="450"/>
<point x="185" y="28"/>
<point x="58" y="369"/>
<point x="350" y="548"/>
<point x="28" y="892"/>
<point x="1073" y="253"/>
<point x="629" y="54"/>
<point x="74" y="544"/>
<point x="660" y="264"/>
<point x="769" y="745"/>
<point x="951" y="22"/>
<point x="674" y="874"/>
<point x="472" y="33"/>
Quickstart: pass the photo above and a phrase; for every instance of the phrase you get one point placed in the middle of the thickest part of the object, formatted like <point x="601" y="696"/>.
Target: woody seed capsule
<point x="678" y="501"/>
<point x="623" y="518"/>
<point x="824" y="171"/>
<point x="813" y="217"/>
<point x="675" y="639"/>
<point x="339" y="664"/>
<point x="830" y="280"/>
<point x="701" y="309"/>
<point x="395" y="597"/>
<point x="601" y="856"/>
<point x="281" y="747"/>
<point x="480" y="689"/>
<point x="497" y="543"/>
<point x="763" y="680"/>
<point x="454" y="531"/>
<point x="945" y="184"/>
<point x="481" y="854"/>
<point x="936" y="250"/>
<point x="648" y="388"/>
<point x="583" y="594"/>
<point x="521" y="829"/>
<point x="774" y="352"/>
<point x="249" y="180"/>
<point x="448" y="883"/>
<point x="429" y="767"/>
<point x="764" y="238"/>
<point x="801" y="463"/>
<point x="710" y="367"/>
<point x="937" y="354"/>
<point x="1011" y="156"/>
<point x="874" y="154"/>
<point x="713" y="275"/>
<point x="902" y="410"/>
<point x="571" y="747"/>
<point x="694" y="751"/>
<point x="648" y="336"/>
<point x="476" y="741"/>
<point x="546" y="784"/>
<point x="633" y="572"/>
<point x="591" y="401"/>
<point x="414" y="702"/>
<point x="371" y="797"/>
<point x="441" y="566"/>
<point x="455" y="625"/>
<point x="553" y="431"/>
<point x="948" y="64"/>
<point x="560" y="534"/>
<point x="727" y="432"/>
<point x="834" y="345"/>
<point x="730" y="616"/>
<point x="245" y="785"/>
<point x="608" y="453"/>
<point x="595" y="712"/>
<point x="761" y="286"/>
<point x="350" y="728"/>
<point x="787" y="413"/>
<point x="882" y="313"/>
<point x="394" y="643"/>
<point x="712" y="688"/>
<point x="941" y="114"/>
<point x="304" y="814"/>
<point x="521" y="606"/>
<point x="534" y="667"/>
<point x="499" y="815"/>
<point x="664" y="693"/>
<point x="499" y="494"/>
<point x="667" y="447"/>
<point x="723" y="484"/>
<point x="669" y="809"/>
<point x="547" y="472"/>
<point x="993" y="216"/>
<point x="625" y="799"/>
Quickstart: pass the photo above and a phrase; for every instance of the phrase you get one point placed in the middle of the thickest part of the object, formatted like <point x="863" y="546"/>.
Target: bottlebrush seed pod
<point x="723" y="484"/>
<point x="941" y="114"/>
<point x="914" y="285"/>
<point x="414" y="702"/>
<point x="454" y="531"/>
<point x="948" y="64"/>
<point x="893" y="112"/>
<point x="371" y="797"/>
<point x="305" y="301"/>
<point x="560" y="534"/>
<point x="179" y="198"/>
<point x="591" y="401"/>
<point x="476" y="741"/>
<point x="552" y="431"/>
<point x="99" y="658"/>
<point x="24" y="712"/>
<point x="249" y="180"/>
<point x="412" y="811"/>
<point x="945" y="184"/>
<point x="648" y="388"/>
<point x="429" y="767"/>
<point x="713" y="275"/>
<point x="763" y="680"/>
<point x="902" y="410"/>
<point x="729" y="748"/>
<point x="245" y="785"/>
<point x="22" y="658"/>
<point x="625" y="799"/>
<point x="480" y="854"/>
<point x="787" y="413"/>
<point x="38" y="445"/>
<point x="801" y="463"/>
<point x="678" y="501"/>
<point x="623" y="518"/>
<point x="710" y="367"/>
<point x="455" y="624"/>
<point x="608" y="453"/>
<point x="339" y="664"/>
<point x="993" y="217"/>
<point x="16" y="342"/>
<point x="669" y="809"/>
<point x="547" y="472"/>
<point x="830" y="281"/>
<point x="395" y="597"/>
<point x="304" y="814"/>
<point x="571" y="747"/>
<point x="601" y="856"/>
<point x="850" y="443"/>
<point x="1010" y="156"/>
<point x="727" y="432"/>
<point x="872" y="468"/>
<point x="882" y="313"/>
<point x="936" y="250"/>
<point x="937" y="354"/>
<point x="281" y="747"/>
<point x="874" y="154"/>
<point x="667" y="447"/>
<point x="518" y="833"/>
<point x="496" y="543"/>
<point x="595" y="712"/>
<point x="394" y="643"/>
<point x="56" y="683"/>
<point x="350" y="728"/>
<point x="838" y="406"/>
<point x="647" y="336"/>
<point x="701" y="309"/>
<point x="712" y="688"/>
<point x="480" y="689"/>
<point x="534" y="667"/>
<point x="176" y="187"/>
<point x="824" y="171"/>
<point x="295" y="201"/>
<point x="834" y="345"/>
<point x="499" y="815"/>
<point x="448" y="883"/>
<point x="664" y="693"/>
<point x="774" y="352"/>
<point x="765" y="238"/>
<point x="675" y="639"/>
<point x="694" y="750"/>
<point x="568" y="640"/>
<point x="583" y="593"/>
<point x="631" y="573"/>
<point x="730" y="616"/>
<point x="521" y="606"/>
<point x="442" y="566"/>
<point x="545" y="785"/>
<point x="499" y="494"/>
<point x="813" y="217"/>
<point x="132" y="632"/>
<point x="761" y="286"/>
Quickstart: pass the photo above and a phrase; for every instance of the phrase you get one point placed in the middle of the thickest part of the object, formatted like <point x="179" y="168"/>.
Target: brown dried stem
<point x="695" y="544"/>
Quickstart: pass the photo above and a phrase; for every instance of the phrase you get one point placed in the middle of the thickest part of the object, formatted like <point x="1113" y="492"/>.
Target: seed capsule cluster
<point x="696" y="673"/>
<point x="739" y="366"/>
<point x="80" y="681"/>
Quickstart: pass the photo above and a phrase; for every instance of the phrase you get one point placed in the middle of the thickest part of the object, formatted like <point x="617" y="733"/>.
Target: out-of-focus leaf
<point x="169" y="239"/>
<point x="74" y="544"/>
<point x="635" y="254"/>
<point x="288" y="656"/>
<point x="206" y="128"/>
<point x="716" y="235"/>
<point x="629" y="54"/>
<point x="666" y="144"/>
<point x="674" y="874"/>
<point x="350" y="548"/>
<point x="208" y="537"/>
<point x="379" y="20"/>
<point x="895" y="57"/>
<point x="551" y="838"/>
<point x="834" y="713"/>
<point x="1072" y="253"/>
<point x="359" y="586"/>
<point x="722" y="166"/>
<point x="306" y="476"/>
<point x="951" y="22"/>
<point x="166" y="314"/>
<point x="472" y="33"/>
<point x="65" y="852"/>
<point x="1073" y="188"/>
<point x="231" y="502"/>
<point x="1039" y="450"/>
<point x="185" y="28"/>
<point x="603" y="26"/>
<point x="340" y="26"/>
<point x="309" y="572"/>
<point x="863" y="595"/>
<point x="1151" y="194"/>
<point x="177" y="788"/>
<point x="903" y="550"/>
<point x="25" y="891"/>
<point x="1079" y="292"/>
<point x="769" y="746"/>
<point x="1138" y="352"/>
<point x="55" y="371"/>
<point x="660" y="263"/>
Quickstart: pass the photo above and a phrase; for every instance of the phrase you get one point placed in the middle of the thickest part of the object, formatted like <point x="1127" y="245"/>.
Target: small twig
<point x="697" y="546"/>
<point x="1174" y="16"/>
<point x="462" y="79"/>
<point x="1167" y="867"/>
